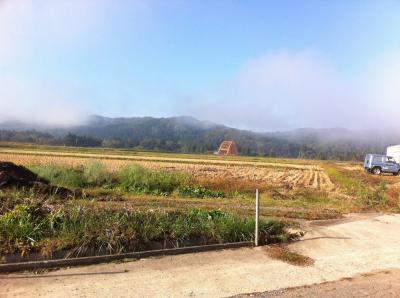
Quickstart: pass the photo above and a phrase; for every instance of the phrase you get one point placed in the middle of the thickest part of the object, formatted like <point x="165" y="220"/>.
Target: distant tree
<point x="81" y="141"/>
<point x="302" y="154"/>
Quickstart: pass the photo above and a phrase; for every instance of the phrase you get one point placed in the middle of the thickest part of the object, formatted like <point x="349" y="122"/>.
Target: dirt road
<point x="341" y="250"/>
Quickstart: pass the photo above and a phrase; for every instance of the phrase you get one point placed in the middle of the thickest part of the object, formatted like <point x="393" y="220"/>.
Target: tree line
<point x="250" y="144"/>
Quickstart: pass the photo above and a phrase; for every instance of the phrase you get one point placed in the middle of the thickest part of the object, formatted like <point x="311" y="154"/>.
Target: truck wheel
<point x="377" y="171"/>
<point x="396" y="174"/>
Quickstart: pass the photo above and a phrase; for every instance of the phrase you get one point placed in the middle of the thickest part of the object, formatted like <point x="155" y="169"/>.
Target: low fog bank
<point x="289" y="90"/>
<point x="57" y="120"/>
<point x="64" y="124"/>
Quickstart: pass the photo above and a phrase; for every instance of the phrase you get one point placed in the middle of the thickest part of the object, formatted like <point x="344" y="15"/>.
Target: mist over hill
<point x="189" y="135"/>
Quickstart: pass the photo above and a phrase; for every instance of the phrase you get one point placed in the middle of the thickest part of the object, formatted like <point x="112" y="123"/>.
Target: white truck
<point x="394" y="151"/>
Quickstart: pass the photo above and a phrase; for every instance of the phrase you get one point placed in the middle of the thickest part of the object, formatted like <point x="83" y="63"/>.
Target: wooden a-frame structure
<point x="228" y="148"/>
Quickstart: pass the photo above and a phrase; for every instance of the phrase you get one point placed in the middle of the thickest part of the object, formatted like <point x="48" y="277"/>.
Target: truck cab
<point x="378" y="164"/>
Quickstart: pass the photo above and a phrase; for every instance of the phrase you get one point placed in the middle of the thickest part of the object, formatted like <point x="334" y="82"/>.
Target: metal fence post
<point x="256" y="235"/>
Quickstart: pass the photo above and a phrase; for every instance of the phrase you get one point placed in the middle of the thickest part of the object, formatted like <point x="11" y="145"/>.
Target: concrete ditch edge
<point x="15" y="267"/>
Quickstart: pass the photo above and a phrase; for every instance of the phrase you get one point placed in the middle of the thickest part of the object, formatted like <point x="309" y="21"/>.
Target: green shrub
<point x="61" y="175"/>
<point x="198" y="192"/>
<point x="138" y="179"/>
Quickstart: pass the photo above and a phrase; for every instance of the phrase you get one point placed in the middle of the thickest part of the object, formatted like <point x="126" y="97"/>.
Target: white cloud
<point x="288" y="90"/>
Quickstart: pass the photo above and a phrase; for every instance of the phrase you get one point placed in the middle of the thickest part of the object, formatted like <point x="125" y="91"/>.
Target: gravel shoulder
<point x="341" y="249"/>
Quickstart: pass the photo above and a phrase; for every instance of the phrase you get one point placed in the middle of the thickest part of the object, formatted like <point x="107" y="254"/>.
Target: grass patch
<point x="96" y="174"/>
<point x="348" y="183"/>
<point x="92" y="173"/>
<point x="20" y="227"/>
<point x="138" y="179"/>
<point x="282" y="253"/>
<point x="372" y="192"/>
<point x="61" y="175"/>
<point x="130" y="179"/>
<point x="198" y="192"/>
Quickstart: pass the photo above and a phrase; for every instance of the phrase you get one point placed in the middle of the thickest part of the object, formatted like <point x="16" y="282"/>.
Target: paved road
<point x="341" y="250"/>
<point x="382" y="284"/>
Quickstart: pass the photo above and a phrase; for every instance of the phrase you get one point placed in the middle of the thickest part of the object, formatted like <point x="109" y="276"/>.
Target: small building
<point x="228" y="148"/>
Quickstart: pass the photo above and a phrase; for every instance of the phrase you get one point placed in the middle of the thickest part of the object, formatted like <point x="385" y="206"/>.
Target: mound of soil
<point x="13" y="176"/>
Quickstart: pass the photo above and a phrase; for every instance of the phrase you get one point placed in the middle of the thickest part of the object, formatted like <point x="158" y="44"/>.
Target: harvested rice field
<point x="291" y="188"/>
<point x="286" y="175"/>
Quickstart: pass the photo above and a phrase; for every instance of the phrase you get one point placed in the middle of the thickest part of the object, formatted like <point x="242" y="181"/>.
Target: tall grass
<point x="82" y="227"/>
<point x="20" y="229"/>
<point x="92" y="173"/>
<point x="138" y="179"/>
<point x="61" y="175"/>
<point x="95" y="173"/>
<point x="133" y="178"/>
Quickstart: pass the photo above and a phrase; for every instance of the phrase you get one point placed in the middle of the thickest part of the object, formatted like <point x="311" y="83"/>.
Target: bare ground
<point x="341" y="249"/>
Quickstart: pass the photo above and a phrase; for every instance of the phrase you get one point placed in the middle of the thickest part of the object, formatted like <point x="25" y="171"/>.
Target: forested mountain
<point x="186" y="134"/>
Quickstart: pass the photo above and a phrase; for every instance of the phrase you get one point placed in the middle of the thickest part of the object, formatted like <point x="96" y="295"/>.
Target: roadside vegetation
<point x="82" y="228"/>
<point x="367" y="191"/>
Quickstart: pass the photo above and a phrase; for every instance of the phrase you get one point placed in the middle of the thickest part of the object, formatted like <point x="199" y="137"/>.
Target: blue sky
<point x="261" y="65"/>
